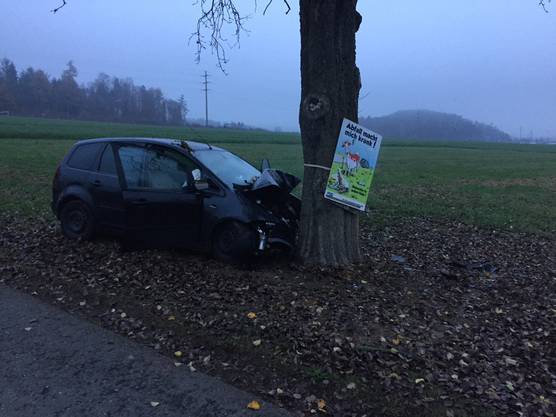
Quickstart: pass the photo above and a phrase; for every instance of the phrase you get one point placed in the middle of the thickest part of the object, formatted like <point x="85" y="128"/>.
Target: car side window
<point x="167" y="169"/>
<point x="107" y="163"/>
<point x="84" y="156"/>
<point x="132" y="159"/>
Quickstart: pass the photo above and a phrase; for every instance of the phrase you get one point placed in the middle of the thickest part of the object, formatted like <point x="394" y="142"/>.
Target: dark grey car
<point x="171" y="193"/>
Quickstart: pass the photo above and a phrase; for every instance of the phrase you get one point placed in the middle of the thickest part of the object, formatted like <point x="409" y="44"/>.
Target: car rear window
<point x="84" y="156"/>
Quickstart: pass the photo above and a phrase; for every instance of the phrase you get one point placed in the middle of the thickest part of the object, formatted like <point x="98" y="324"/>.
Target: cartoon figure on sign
<point x="345" y="147"/>
<point x="352" y="163"/>
<point x="339" y="183"/>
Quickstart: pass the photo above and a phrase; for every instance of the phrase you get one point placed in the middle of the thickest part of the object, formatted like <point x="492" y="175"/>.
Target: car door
<point x="107" y="192"/>
<point x="162" y="208"/>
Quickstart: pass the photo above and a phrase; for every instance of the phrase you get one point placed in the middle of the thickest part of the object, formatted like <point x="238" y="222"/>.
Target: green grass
<point x="36" y="128"/>
<point x="500" y="185"/>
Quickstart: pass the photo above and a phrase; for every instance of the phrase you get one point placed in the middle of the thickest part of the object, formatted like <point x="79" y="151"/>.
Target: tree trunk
<point x="330" y="84"/>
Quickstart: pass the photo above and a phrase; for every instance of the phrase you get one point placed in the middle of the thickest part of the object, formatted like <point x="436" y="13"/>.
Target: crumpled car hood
<point x="273" y="178"/>
<point x="272" y="184"/>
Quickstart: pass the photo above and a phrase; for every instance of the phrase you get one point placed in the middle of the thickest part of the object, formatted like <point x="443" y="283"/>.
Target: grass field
<point x="500" y="185"/>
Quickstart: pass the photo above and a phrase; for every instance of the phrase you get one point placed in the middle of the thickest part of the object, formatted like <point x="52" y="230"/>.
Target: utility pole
<point x="206" y="83"/>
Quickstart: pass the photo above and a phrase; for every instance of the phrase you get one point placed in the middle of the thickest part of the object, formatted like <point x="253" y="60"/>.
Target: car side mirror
<point x="201" y="185"/>
<point x="265" y="164"/>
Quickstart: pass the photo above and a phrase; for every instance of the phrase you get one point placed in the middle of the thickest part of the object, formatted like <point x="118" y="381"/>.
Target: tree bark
<point x="330" y="84"/>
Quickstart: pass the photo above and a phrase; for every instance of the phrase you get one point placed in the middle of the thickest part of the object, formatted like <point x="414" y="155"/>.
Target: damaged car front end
<point x="259" y="214"/>
<point x="271" y="192"/>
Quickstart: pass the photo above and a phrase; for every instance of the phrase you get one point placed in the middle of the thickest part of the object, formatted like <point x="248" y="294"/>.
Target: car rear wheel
<point x="234" y="242"/>
<point x="77" y="220"/>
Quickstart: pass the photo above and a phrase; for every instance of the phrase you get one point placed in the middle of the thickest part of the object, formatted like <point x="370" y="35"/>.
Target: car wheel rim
<point x="227" y="241"/>
<point x="76" y="221"/>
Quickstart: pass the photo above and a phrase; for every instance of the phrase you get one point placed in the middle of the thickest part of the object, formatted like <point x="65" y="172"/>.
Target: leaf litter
<point x="463" y="325"/>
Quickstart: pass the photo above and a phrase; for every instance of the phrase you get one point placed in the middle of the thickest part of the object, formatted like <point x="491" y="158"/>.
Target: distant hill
<point x="432" y="125"/>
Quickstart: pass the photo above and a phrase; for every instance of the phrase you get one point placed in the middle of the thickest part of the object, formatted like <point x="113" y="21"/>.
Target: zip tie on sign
<point x="316" y="166"/>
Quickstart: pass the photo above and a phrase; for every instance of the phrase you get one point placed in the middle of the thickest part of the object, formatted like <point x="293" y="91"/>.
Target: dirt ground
<point x="441" y="319"/>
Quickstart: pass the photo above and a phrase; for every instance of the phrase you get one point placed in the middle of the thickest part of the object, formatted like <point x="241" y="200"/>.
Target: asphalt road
<point x="55" y="364"/>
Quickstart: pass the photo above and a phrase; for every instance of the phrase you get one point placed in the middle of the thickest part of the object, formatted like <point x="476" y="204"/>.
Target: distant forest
<point x="32" y="92"/>
<point x="432" y="125"/>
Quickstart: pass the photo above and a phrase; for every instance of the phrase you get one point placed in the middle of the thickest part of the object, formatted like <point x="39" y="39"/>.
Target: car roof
<point x="176" y="143"/>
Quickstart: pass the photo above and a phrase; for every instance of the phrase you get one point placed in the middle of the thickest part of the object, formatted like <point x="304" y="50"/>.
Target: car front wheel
<point x="234" y="242"/>
<point x="77" y="221"/>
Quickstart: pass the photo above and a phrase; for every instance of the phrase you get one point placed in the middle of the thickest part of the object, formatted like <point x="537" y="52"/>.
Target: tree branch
<point x="542" y="3"/>
<point x="59" y="7"/>
<point x="270" y="2"/>
<point x="214" y="15"/>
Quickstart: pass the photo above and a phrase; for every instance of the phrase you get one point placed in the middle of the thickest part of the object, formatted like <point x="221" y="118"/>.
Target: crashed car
<point x="174" y="193"/>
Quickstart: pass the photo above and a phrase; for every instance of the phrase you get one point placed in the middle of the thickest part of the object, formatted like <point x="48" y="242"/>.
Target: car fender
<point x="209" y="235"/>
<point x="74" y="192"/>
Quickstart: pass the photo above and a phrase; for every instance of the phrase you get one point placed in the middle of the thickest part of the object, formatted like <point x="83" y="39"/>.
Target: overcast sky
<point x="492" y="61"/>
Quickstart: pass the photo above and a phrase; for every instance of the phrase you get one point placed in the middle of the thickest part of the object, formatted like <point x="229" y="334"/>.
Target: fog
<point x="494" y="61"/>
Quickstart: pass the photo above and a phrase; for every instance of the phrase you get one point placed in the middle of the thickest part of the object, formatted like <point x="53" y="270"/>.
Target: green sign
<point x="353" y="166"/>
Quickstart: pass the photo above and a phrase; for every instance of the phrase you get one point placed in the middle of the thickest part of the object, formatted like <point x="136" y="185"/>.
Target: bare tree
<point x="330" y="83"/>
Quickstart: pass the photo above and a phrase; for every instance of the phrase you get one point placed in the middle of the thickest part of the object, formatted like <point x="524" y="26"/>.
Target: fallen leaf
<point x="257" y="342"/>
<point x="254" y="405"/>
<point x="178" y="354"/>
<point x="251" y="315"/>
<point x="351" y="385"/>
<point x="419" y="381"/>
<point x="510" y="361"/>
<point x="397" y="340"/>
<point x="171" y="318"/>
<point x="155" y="403"/>
<point x="28" y="329"/>
<point x="321" y="404"/>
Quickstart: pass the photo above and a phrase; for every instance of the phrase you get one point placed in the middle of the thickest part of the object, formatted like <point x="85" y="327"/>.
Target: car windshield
<point x="229" y="168"/>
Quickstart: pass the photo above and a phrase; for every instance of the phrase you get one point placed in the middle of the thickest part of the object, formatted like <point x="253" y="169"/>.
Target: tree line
<point x="32" y="92"/>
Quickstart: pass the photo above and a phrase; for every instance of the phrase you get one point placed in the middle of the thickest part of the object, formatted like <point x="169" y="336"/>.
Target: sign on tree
<point x="353" y="165"/>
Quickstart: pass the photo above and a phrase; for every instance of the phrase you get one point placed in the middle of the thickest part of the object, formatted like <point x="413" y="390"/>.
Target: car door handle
<point x="97" y="183"/>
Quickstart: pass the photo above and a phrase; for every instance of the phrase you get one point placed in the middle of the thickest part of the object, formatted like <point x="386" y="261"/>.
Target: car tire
<point x="234" y="242"/>
<point x="77" y="220"/>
